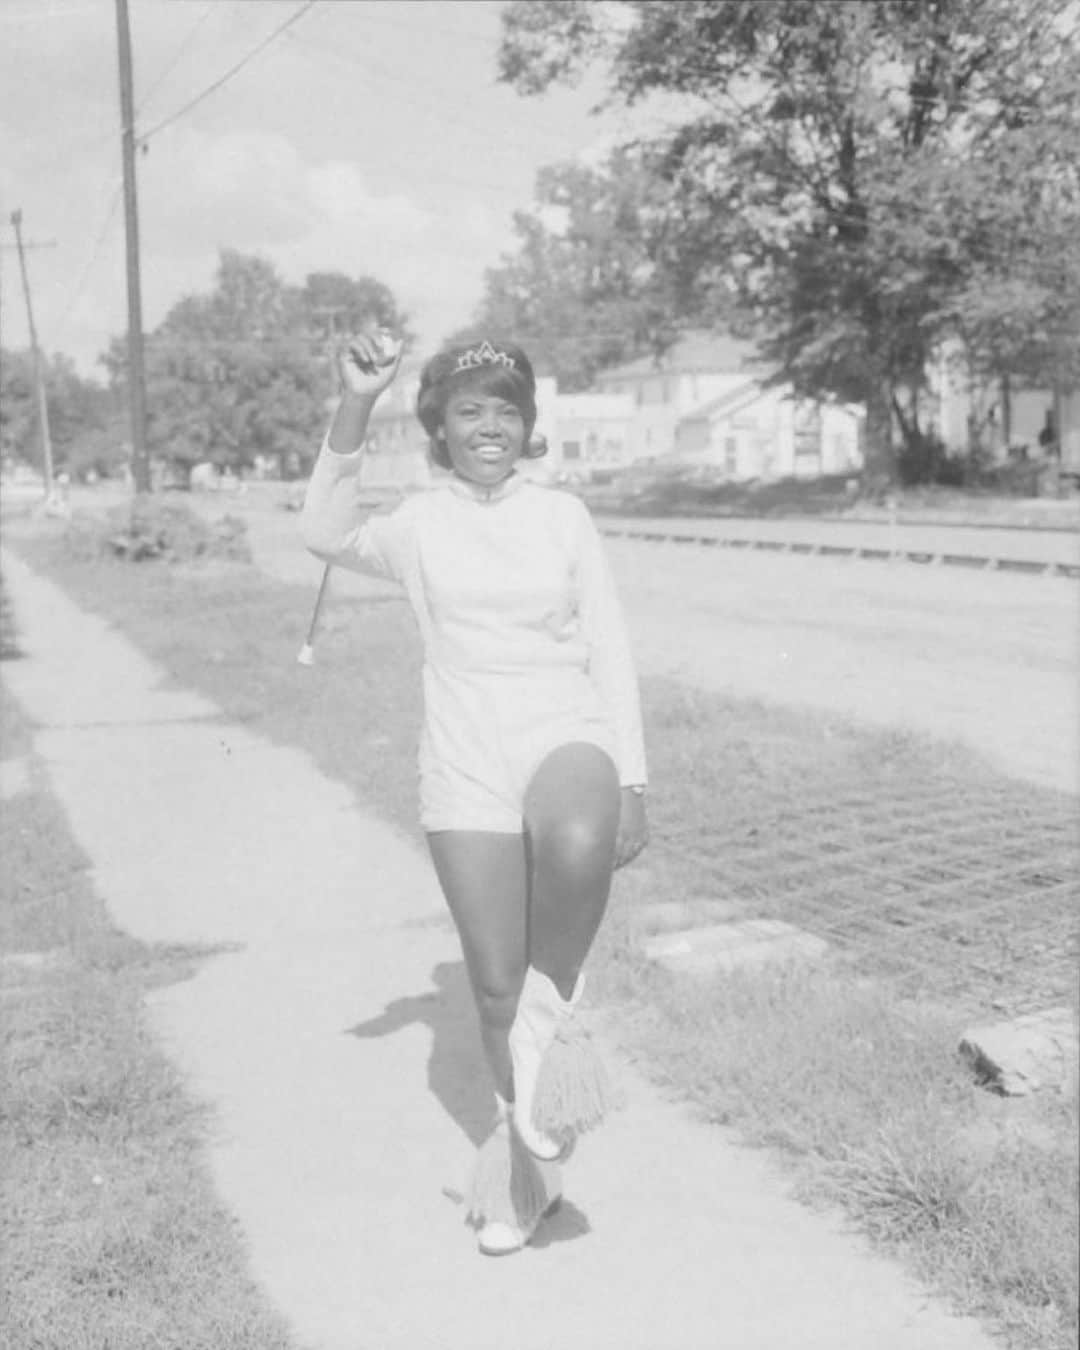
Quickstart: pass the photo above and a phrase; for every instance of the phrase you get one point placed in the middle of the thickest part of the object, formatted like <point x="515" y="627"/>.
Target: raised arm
<point x="332" y="523"/>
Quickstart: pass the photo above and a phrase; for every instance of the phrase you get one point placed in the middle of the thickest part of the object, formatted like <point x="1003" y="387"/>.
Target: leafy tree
<point x="584" y="289"/>
<point x="82" y="417"/>
<point x="18" y="411"/>
<point x="331" y="302"/>
<point x="244" y="370"/>
<point x="838" y="166"/>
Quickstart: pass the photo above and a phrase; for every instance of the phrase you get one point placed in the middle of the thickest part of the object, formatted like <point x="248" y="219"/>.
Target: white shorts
<point x="486" y="734"/>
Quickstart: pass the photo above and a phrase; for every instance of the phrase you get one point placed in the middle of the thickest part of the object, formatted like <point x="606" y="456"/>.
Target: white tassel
<point x="507" y="1185"/>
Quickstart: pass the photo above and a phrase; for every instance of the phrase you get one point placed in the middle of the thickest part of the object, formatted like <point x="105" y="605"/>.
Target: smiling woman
<point x="532" y="765"/>
<point x="478" y="408"/>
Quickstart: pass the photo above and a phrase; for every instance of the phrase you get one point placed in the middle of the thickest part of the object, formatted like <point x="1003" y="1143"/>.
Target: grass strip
<point x="859" y="1089"/>
<point x="111" y="1233"/>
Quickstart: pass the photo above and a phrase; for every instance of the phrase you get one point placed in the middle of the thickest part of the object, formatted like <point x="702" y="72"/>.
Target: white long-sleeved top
<point x="500" y="582"/>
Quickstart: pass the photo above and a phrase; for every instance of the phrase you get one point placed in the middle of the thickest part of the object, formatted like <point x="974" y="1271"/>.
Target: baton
<point x="306" y="655"/>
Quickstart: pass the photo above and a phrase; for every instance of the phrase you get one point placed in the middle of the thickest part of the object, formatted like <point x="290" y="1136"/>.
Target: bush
<point x="153" y="529"/>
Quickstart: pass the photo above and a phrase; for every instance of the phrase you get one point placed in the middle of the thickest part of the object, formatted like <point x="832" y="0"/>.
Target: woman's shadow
<point x="457" y="1074"/>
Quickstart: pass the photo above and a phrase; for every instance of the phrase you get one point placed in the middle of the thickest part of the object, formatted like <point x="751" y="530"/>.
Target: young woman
<point x="532" y="766"/>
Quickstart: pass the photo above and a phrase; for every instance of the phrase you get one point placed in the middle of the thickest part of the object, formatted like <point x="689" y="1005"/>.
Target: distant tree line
<point x="235" y="375"/>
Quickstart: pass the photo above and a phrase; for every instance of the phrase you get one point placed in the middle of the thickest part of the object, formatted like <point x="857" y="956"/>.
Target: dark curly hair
<point x="442" y="377"/>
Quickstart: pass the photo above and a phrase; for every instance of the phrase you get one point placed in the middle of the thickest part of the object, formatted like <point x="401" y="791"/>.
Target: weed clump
<point x="154" y="530"/>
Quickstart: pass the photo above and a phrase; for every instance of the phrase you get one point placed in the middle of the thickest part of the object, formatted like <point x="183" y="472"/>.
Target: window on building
<point x="591" y="443"/>
<point x="731" y="454"/>
<point x="571" y="449"/>
<point x="807" y="431"/>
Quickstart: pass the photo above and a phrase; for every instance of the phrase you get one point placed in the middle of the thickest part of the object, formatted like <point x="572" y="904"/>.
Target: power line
<point x="176" y="57"/>
<point x="88" y="266"/>
<point x="228" y="75"/>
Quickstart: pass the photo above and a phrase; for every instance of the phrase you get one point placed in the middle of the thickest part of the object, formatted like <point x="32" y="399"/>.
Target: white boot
<point x="541" y="1013"/>
<point x="511" y="1192"/>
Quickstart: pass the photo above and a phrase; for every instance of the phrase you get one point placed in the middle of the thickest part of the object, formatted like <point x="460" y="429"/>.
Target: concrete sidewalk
<point x="335" y="1039"/>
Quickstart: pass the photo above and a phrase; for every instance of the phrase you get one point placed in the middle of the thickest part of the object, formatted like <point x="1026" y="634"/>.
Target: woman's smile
<point x="484" y="435"/>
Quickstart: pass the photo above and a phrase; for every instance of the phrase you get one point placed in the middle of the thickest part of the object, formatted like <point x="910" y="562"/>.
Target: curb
<point x="973" y="561"/>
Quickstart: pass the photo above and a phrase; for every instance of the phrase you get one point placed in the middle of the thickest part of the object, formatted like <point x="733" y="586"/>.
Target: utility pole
<point x="140" y="461"/>
<point x="39" y="374"/>
<point x="27" y="244"/>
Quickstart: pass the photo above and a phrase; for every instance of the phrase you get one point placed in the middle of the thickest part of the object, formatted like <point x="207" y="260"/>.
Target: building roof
<point x="731" y="401"/>
<point x="697" y="353"/>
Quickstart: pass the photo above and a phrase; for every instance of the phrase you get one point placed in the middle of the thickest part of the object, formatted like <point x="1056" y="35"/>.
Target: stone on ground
<point x="746" y="944"/>
<point x="1029" y="1053"/>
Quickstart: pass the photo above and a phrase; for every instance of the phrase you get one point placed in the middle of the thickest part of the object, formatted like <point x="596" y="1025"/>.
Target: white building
<point x="755" y="432"/>
<point x="698" y="369"/>
<point x="965" y="412"/>
<point x="706" y="402"/>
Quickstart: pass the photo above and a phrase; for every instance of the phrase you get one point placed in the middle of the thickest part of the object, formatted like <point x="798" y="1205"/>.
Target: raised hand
<point x="368" y="362"/>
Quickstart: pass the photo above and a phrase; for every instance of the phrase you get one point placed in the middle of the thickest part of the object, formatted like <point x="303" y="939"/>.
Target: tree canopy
<point x="865" y="178"/>
<point x="585" y="289"/>
<point x="244" y="370"/>
<point x="83" y="417"/>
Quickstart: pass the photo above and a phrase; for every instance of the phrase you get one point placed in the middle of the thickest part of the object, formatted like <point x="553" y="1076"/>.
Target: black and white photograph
<point x="539" y="674"/>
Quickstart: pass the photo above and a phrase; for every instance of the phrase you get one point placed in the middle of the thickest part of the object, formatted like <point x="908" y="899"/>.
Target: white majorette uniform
<point x="524" y="643"/>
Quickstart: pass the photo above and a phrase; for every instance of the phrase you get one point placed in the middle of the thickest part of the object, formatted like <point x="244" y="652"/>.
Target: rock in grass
<point x="733" y="946"/>
<point x="1037" y="1051"/>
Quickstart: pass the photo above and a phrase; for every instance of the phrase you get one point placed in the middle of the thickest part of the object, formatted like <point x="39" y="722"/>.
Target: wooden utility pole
<point x="39" y="374"/>
<point x="140" y="460"/>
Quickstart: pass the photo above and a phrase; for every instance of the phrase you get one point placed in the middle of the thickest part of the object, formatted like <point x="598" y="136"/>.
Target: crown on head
<point x="484" y="355"/>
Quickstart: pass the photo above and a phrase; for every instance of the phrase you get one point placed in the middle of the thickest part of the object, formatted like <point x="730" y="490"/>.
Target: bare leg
<point x="484" y="879"/>
<point x="571" y="820"/>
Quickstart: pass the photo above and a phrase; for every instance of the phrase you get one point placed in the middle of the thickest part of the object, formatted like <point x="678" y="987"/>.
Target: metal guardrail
<point x="931" y="557"/>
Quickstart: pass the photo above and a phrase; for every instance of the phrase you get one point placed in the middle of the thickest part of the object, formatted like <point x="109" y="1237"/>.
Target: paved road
<point x="337" y="1048"/>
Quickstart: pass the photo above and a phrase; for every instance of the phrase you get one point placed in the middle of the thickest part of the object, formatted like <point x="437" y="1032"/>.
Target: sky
<point x="371" y="138"/>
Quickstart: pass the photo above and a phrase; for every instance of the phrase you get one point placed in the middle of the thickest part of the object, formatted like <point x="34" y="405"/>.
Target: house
<point x="967" y="413"/>
<point x="696" y="370"/>
<point x="592" y="431"/>
<point x="756" y="432"/>
<point x="707" y="402"/>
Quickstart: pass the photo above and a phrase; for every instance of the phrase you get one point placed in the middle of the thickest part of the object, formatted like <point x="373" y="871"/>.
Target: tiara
<point x="484" y="355"/>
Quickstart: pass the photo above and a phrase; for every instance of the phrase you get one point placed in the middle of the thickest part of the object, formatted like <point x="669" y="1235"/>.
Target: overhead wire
<point x="80" y="285"/>
<point x="143" y="138"/>
<point x="88" y="266"/>
<point x="181" y="49"/>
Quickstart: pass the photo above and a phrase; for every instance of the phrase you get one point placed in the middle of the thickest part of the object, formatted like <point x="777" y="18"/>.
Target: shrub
<point x="154" y="529"/>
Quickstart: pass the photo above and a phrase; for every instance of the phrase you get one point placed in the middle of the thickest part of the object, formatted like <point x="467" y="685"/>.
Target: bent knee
<point x="577" y="840"/>
<point x="497" y="1007"/>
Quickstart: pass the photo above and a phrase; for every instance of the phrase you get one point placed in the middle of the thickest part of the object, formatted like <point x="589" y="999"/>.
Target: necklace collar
<point x="461" y="487"/>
